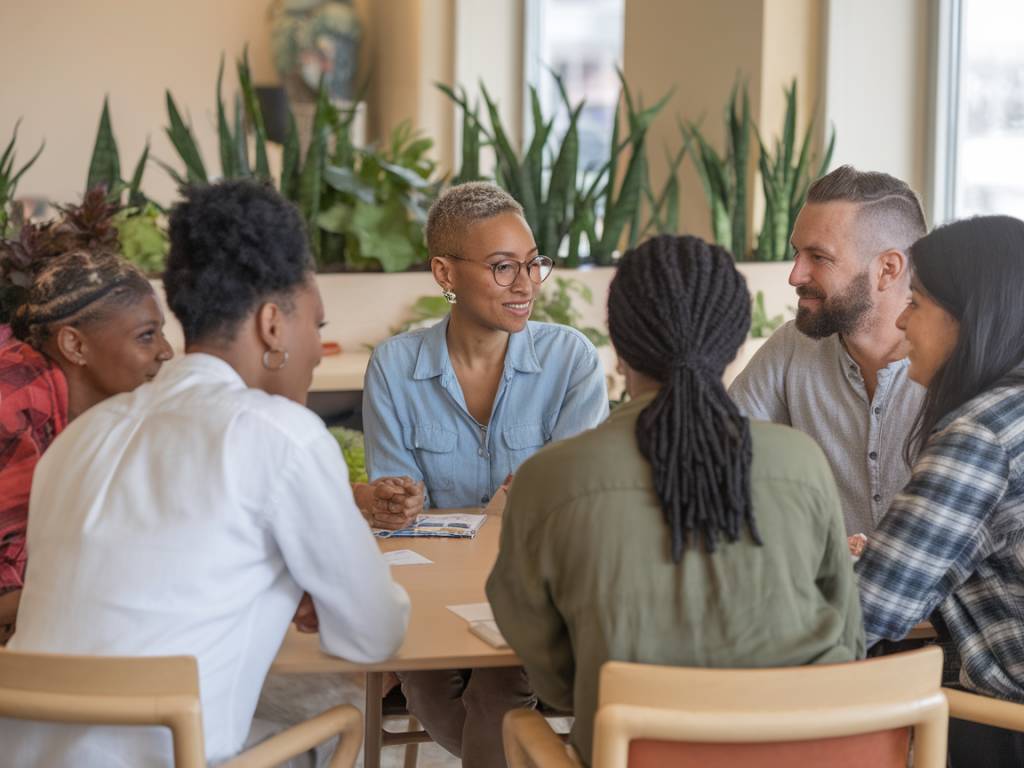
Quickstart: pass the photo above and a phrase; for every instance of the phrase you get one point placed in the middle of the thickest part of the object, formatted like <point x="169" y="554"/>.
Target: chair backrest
<point x="985" y="710"/>
<point x="853" y="714"/>
<point x="106" y="690"/>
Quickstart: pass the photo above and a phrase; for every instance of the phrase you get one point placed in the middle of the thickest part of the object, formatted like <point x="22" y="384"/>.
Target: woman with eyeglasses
<point x="462" y="404"/>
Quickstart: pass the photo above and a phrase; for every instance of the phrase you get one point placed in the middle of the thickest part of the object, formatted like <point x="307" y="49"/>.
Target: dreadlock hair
<point x="678" y="311"/>
<point x="76" y="288"/>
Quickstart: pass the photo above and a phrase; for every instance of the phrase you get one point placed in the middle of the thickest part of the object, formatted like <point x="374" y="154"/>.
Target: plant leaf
<point x="184" y="142"/>
<point x="228" y="162"/>
<point x="105" y="165"/>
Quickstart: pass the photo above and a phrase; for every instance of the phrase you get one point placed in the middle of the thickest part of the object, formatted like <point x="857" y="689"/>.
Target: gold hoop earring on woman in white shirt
<point x="266" y="359"/>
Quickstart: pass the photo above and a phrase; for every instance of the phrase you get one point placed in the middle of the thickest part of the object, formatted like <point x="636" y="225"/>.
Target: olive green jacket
<point x="585" y="573"/>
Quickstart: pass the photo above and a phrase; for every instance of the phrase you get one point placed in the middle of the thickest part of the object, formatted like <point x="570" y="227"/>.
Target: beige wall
<point x="865" y="60"/>
<point x="877" y="85"/>
<point x="698" y="47"/>
<point x="59" y="58"/>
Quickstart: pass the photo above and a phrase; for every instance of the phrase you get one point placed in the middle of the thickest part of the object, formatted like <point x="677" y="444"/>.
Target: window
<point x="581" y="41"/>
<point x="984" y="96"/>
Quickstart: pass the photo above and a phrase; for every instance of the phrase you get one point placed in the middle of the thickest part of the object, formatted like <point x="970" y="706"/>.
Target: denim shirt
<point x="416" y="422"/>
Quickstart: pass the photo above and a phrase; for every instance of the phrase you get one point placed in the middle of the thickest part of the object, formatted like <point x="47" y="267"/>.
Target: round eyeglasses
<point x="507" y="271"/>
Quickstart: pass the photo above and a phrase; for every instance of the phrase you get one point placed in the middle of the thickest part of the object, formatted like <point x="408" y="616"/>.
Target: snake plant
<point x="9" y="177"/>
<point x="785" y="182"/>
<point x="724" y="177"/>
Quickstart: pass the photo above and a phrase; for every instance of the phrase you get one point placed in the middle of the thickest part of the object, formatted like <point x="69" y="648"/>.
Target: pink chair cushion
<point x="882" y="749"/>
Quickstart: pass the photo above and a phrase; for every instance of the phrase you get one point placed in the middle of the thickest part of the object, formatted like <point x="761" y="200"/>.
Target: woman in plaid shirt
<point x="951" y="546"/>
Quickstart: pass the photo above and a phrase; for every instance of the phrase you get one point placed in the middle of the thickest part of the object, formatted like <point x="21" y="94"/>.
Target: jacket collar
<point x="433" y="360"/>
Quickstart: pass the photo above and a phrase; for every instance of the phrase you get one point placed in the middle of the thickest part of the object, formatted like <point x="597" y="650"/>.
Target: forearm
<point x="9" y="602"/>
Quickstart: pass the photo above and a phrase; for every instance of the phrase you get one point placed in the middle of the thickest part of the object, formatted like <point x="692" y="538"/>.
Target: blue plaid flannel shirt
<point x="953" y="540"/>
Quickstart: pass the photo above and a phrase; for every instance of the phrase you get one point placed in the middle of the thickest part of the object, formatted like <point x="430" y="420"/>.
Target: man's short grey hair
<point x="459" y="207"/>
<point x="890" y="214"/>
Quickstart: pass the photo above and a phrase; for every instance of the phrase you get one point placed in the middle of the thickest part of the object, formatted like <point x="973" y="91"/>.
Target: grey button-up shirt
<point x="816" y="387"/>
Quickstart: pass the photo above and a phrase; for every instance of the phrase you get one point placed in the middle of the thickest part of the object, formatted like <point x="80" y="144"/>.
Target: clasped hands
<point x="391" y="503"/>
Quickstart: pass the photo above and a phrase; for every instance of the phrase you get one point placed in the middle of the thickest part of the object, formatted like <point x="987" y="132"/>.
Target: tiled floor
<point x="292" y="698"/>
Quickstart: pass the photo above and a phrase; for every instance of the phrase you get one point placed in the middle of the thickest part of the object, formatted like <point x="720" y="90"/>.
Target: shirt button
<point x="878" y="410"/>
<point x="482" y="453"/>
<point x="485" y="499"/>
<point x="877" y="498"/>
<point x="872" y="455"/>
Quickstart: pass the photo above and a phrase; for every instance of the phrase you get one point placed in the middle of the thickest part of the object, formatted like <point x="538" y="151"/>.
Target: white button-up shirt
<point x="188" y="517"/>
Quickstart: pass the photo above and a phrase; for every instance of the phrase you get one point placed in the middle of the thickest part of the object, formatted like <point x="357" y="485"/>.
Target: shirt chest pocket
<point x="434" y="448"/>
<point x="522" y="441"/>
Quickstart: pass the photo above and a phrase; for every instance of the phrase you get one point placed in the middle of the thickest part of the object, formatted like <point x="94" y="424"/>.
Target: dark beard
<point x="842" y="314"/>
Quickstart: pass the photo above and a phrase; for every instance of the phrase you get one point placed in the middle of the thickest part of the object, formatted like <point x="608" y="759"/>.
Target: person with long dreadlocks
<point x="87" y="326"/>
<point x="677" y="532"/>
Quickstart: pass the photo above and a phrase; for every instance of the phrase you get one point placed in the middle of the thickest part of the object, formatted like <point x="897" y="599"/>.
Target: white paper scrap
<point x="473" y="611"/>
<point x="406" y="557"/>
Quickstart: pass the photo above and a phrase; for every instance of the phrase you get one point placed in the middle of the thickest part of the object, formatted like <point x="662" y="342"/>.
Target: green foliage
<point x="142" y="239"/>
<point x="105" y="166"/>
<point x="552" y="305"/>
<point x="364" y="207"/>
<point x="555" y="306"/>
<point x="9" y="177"/>
<point x="351" y="443"/>
<point x="786" y="173"/>
<point x="762" y="326"/>
<point x="785" y="182"/>
<point x="561" y="204"/>
<point x="724" y="177"/>
<point x="378" y="203"/>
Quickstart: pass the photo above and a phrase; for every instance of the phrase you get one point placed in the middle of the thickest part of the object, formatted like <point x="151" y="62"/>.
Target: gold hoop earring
<point x="266" y="359"/>
<point x="449" y="295"/>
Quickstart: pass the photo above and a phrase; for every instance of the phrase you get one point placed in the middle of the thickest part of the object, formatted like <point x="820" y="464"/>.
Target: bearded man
<point x="839" y="371"/>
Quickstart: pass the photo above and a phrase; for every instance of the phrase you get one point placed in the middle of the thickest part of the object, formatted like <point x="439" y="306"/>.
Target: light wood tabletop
<point x="436" y="638"/>
<point x="342" y="372"/>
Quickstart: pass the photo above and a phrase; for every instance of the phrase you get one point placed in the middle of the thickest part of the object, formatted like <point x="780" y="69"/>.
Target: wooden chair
<point x="835" y="715"/>
<point x="985" y="710"/>
<point x="163" y="691"/>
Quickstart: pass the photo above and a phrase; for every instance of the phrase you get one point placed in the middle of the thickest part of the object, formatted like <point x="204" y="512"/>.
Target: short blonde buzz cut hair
<point x="459" y="207"/>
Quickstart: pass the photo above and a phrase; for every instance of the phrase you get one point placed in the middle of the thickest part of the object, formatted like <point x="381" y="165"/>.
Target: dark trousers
<point x="462" y="709"/>
<point x="972" y="745"/>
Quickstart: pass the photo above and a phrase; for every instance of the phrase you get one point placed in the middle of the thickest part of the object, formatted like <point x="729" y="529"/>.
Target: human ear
<point x="442" y="271"/>
<point x="892" y="269"/>
<point x="270" y="326"/>
<point x="71" y="345"/>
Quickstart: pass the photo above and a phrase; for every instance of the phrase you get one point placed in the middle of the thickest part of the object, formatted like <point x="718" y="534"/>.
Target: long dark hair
<point x="678" y="310"/>
<point x="974" y="269"/>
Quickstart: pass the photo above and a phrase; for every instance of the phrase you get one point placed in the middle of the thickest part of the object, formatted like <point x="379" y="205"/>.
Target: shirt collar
<point x="850" y="367"/>
<point x="433" y="359"/>
<point x="632" y="407"/>
<point x="208" y="366"/>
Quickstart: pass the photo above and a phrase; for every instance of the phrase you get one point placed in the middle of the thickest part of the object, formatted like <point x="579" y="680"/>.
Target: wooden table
<point x="436" y="638"/>
<point x="342" y="372"/>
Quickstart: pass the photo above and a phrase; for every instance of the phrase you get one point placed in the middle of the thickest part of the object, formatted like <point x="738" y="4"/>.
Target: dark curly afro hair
<point x="234" y="245"/>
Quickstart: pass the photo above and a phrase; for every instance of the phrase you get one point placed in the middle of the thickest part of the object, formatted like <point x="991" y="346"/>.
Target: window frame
<point x="946" y="123"/>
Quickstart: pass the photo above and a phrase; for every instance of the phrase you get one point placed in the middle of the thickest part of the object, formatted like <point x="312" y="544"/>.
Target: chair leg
<point x="412" y="751"/>
<point x="374" y="724"/>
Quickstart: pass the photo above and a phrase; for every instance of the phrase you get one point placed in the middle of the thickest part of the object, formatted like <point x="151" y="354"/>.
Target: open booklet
<point x="451" y="525"/>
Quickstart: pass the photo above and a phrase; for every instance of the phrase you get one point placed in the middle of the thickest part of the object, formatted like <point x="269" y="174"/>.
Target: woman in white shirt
<point x="190" y="516"/>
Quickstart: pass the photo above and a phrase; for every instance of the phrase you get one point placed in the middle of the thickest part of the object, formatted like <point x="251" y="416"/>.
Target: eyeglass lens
<point x="506" y="272"/>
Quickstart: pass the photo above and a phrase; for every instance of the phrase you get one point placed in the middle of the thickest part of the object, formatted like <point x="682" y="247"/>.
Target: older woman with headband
<point x="88" y="327"/>
<point x="191" y="515"/>
<point x="677" y="532"/>
<point x="459" y="406"/>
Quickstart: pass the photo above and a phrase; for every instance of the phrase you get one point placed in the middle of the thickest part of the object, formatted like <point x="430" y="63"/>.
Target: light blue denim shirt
<point x="416" y="421"/>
